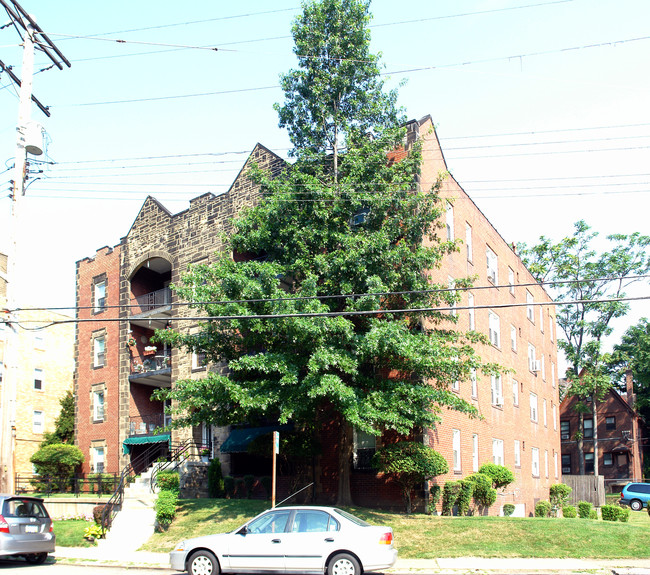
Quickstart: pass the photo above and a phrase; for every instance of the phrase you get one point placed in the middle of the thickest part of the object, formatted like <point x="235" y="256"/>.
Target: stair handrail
<point x="177" y="454"/>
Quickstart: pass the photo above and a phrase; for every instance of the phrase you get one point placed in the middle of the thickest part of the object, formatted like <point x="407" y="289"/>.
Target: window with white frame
<point x="553" y="373"/>
<point x="471" y="311"/>
<point x="98" y="405"/>
<point x="550" y="327"/>
<point x="99" y="297"/>
<point x="532" y="362"/>
<point x="38" y="378"/>
<point x="511" y="280"/>
<point x="468" y="242"/>
<point x="497" y="451"/>
<point x="365" y="446"/>
<point x="541" y="319"/>
<point x="554" y="415"/>
<point x="497" y="391"/>
<point x="474" y="382"/>
<point x="456" y="449"/>
<point x="99" y="351"/>
<point x="530" y="309"/>
<point x="534" y="456"/>
<point x="492" y="266"/>
<point x="546" y="462"/>
<point x="533" y="408"/>
<point x="515" y="393"/>
<point x="543" y="366"/>
<point x="494" y="329"/>
<point x="98" y="459"/>
<point x="475" y="453"/>
<point x="199" y="359"/>
<point x="544" y="412"/>
<point x="451" y="284"/>
<point x="449" y="219"/>
<point x="517" y="453"/>
<point x="513" y="338"/>
<point x="38" y="421"/>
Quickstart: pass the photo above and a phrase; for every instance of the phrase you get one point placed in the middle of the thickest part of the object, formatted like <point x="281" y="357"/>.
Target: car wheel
<point x="36" y="558"/>
<point x="203" y="563"/>
<point x="343" y="564"/>
<point x="636" y="505"/>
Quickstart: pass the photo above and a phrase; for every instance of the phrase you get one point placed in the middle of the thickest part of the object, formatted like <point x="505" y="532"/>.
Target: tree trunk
<point x="594" y="415"/>
<point x="580" y="442"/>
<point x="344" y="496"/>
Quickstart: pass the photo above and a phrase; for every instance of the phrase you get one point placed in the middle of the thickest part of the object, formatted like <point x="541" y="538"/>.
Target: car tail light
<point x="386" y="538"/>
<point x="51" y="526"/>
<point x="4" y="526"/>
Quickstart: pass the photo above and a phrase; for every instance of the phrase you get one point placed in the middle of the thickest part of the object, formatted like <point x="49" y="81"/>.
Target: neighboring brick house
<point x="619" y="438"/>
<point x="44" y="373"/>
<point x="519" y="425"/>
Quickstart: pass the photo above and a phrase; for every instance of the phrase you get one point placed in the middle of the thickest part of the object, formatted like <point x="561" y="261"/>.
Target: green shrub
<point x="215" y="479"/>
<point x="623" y="514"/>
<point x="435" y="491"/>
<point x="508" y="509"/>
<point x="229" y="486"/>
<point x="449" y="495"/>
<point x="97" y="513"/>
<point x="484" y="494"/>
<point x="584" y="509"/>
<point x="166" y="509"/>
<point x="249" y="483"/>
<point x="267" y="482"/>
<point x="169" y="481"/>
<point x="569" y="511"/>
<point x="609" y="512"/>
<point x="239" y="487"/>
<point x="501" y="476"/>
<point x="94" y="532"/>
<point x="559" y="494"/>
<point x="464" y="496"/>
<point x="593" y="514"/>
<point x="56" y="464"/>
<point x="543" y="509"/>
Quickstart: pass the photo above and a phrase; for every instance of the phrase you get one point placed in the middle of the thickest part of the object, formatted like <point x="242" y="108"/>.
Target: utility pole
<point x="32" y="36"/>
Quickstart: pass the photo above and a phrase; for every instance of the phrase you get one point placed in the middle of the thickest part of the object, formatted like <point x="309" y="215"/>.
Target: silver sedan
<point x="314" y="540"/>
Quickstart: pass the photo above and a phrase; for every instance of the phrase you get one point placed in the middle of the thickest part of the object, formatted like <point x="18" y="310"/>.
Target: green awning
<point x="239" y="438"/>
<point x="142" y="439"/>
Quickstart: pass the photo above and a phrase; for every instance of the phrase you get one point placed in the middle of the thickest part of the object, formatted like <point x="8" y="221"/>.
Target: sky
<point x="541" y="107"/>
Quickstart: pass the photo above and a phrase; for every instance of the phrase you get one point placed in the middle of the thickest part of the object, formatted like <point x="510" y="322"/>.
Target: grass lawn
<point x="424" y="536"/>
<point x="70" y="533"/>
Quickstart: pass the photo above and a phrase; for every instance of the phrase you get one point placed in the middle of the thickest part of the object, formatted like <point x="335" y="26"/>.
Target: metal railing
<point x="151" y="301"/>
<point x="147" y="424"/>
<point x="76" y="485"/>
<point x="149" y="363"/>
<point x="184" y="451"/>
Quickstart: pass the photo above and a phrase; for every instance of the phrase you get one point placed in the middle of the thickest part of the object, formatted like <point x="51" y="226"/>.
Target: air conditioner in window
<point x="492" y="276"/>
<point x="535" y="365"/>
<point x="627" y="434"/>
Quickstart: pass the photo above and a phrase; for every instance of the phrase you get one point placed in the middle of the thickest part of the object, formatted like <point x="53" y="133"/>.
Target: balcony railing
<point x="147" y="425"/>
<point x="151" y="301"/>
<point x="149" y="363"/>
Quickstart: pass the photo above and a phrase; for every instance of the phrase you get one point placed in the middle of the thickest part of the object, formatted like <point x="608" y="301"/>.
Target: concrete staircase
<point x="134" y="523"/>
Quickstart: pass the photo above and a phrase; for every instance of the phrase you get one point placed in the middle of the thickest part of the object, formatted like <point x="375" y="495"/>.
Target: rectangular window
<point x="530" y="310"/>
<point x="532" y="361"/>
<point x="199" y="359"/>
<point x="99" y="348"/>
<point x="565" y="430"/>
<point x="553" y="373"/>
<point x="38" y="378"/>
<point x="610" y="422"/>
<point x="554" y="414"/>
<point x="98" y="406"/>
<point x="468" y="242"/>
<point x="541" y="319"/>
<point x="449" y="219"/>
<point x="517" y="453"/>
<point x="589" y="462"/>
<point x="550" y="327"/>
<point x="365" y="446"/>
<point x="515" y="392"/>
<point x="513" y="338"/>
<point x="589" y="428"/>
<point x="497" y="451"/>
<point x="471" y="311"/>
<point x="98" y="459"/>
<point x="543" y="366"/>
<point x="492" y="266"/>
<point x="100" y="297"/>
<point x="456" y="448"/>
<point x="544" y="413"/>
<point x="608" y="459"/>
<point x="555" y="465"/>
<point x="494" y="329"/>
<point x="497" y="391"/>
<point x="38" y="422"/>
<point x="534" y="454"/>
<point x="475" y="453"/>
<point x="472" y="377"/>
<point x="533" y="407"/>
<point x="566" y="464"/>
<point x="511" y="280"/>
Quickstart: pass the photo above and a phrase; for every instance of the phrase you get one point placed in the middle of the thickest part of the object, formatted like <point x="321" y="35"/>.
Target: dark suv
<point x="636" y="495"/>
<point x="25" y="528"/>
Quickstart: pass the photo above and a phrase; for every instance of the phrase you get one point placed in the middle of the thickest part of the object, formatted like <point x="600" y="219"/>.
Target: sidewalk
<point x="457" y="565"/>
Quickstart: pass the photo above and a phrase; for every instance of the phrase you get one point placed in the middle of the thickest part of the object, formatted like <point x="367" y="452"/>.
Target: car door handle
<point x="329" y="539"/>
<point x="275" y="541"/>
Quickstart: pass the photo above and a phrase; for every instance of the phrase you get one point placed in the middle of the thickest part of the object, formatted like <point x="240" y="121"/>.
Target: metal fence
<point x="75" y="485"/>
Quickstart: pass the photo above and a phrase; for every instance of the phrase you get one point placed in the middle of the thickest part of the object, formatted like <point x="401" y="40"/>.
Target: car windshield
<point x="23" y="508"/>
<point x="352" y="518"/>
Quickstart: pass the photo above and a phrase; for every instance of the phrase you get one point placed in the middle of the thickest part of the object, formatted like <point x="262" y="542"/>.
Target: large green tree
<point x="64" y="423"/>
<point x="327" y="314"/>
<point x="597" y="282"/>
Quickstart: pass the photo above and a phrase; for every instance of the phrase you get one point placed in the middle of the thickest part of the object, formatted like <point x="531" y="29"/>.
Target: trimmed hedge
<point x="169" y="481"/>
<point x="543" y="509"/>
<point x="508" y="509"/>
<point x="584" y="509"/>
<point x="166" y="509"/>
<point x="449" y="495"/>
<point x="464" y="496"/>
<point x="569" y="511"/>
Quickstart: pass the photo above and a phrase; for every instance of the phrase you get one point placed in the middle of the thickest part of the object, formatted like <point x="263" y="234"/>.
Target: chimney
<point x="629" y="387"/>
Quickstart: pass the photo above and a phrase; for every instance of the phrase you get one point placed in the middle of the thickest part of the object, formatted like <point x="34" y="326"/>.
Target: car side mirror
<point x="243" y="531"/>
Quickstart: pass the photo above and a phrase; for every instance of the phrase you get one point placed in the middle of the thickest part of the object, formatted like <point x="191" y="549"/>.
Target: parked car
<point x="25" y="528"/>
<point x="636" y="495"/>
<point x="315" y="540"/>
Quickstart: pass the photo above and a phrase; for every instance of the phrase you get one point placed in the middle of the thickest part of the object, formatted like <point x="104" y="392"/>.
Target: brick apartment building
<point x="44" y="374"/>
<point x="117" y="368"/>
<point x="620" y="457"/>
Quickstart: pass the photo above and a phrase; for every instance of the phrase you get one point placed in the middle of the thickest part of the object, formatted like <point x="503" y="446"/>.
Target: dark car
<point x="25" y="528"/>
<point x="636" y="495"/>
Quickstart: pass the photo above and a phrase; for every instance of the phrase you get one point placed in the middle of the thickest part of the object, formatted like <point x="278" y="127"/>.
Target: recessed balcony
<point x="152" y="369"/>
